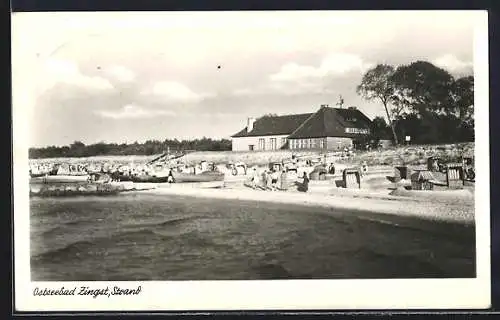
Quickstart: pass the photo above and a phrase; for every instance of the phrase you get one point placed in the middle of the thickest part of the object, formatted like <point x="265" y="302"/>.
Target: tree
<point x="422" y="87"/>
<point x="379" y="129"/>
<point x="463" y="98"/>
<point x="377" y="85"/>
<point x="150" y="147"/>
<point x="77" y="145"/>
<point x="443" y="107"/>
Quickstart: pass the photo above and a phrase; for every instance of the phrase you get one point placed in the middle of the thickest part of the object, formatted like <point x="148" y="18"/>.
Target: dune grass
<point x="407" y="155"/>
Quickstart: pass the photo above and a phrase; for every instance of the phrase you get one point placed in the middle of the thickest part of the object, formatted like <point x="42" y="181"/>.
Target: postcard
<point x="251" y="160"/>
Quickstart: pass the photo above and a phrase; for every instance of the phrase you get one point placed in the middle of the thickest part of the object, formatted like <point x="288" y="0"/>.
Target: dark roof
<point x="353" y="117"/>
<point x="275" y="125"/>
<point x="331" y="122"/>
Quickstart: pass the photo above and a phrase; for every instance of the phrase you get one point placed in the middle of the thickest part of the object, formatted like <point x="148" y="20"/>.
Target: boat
<point x="60" y="179"/>
<point x="148" y="179"/>
<point x="120" y="176"/>
<point x="202" y="177"/>
<point x="72" y="189"/>
<point x="181" y="177"/>
<point x="37" y="175"/>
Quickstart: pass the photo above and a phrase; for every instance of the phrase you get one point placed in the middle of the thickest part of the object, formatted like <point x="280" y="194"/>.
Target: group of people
<point x="275" y="180"/>
<point x="269" y="180"/>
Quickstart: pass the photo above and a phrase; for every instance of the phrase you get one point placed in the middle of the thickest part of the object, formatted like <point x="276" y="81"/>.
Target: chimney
<point x="250" y="122"/>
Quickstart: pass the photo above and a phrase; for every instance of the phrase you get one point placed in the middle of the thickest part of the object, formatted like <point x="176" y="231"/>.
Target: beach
<point x="227" y="230"/>
<point x="461" y="211"/>
<point x="376" y="194"/>
<point x="171" y="234"/>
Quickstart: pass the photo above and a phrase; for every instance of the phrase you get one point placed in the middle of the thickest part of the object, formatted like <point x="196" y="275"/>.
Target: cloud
<point x="216" y="114"/>
<point x="295" y="79"/>
<point x="175" y="92"/>
<point x="63" y="71"/>
<point x="120" y="73"/>
<point x="332" y="65"/>
<point x="452" y="63"/>
<point x="131" y="111"/>
<point x="312" y="86"/>
<point x="244" y="91"/>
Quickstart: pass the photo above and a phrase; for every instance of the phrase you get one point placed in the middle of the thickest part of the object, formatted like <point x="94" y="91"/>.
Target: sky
<point x="123" y="77"/>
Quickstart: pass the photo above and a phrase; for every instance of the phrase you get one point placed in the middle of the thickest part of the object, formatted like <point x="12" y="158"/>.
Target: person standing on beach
<point x="331" y="169"/>
<point x="305" y="184"/>
<point x="269" y="181"/>
<point x="255" y="179"/>
<point x="283" y="181"/>
<point x="274" y="179"/>
<point x="264" y="179"/>
<point x="170" y="177"/>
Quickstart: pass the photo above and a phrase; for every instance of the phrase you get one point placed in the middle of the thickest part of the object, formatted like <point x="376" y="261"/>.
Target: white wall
<point x="330" y="143"/>
<point x="242" y="143"/>
<point x="338" y="143"/>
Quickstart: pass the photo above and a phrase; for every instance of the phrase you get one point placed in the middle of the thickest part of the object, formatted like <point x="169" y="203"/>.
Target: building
<point x="326" y="129"/>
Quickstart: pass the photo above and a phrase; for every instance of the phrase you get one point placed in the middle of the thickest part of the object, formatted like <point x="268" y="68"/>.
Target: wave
<point x="73" y="249"/>
<point x="177" y="221"/>
<point x="458" y="232"/>
<point x="61" y="229"/>
<point x="170" y="222"/>
<point x="81" y="248"/>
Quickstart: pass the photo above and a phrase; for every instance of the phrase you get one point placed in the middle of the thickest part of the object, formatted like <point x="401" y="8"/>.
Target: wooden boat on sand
<point x="202" y="177"/>
<point x="37" y="175"/>
<point x="60" y="179"/>
<point x="181" y="177"/>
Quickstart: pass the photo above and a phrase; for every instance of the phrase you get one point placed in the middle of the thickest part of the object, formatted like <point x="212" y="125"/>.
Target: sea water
<point x="158" y="237"/>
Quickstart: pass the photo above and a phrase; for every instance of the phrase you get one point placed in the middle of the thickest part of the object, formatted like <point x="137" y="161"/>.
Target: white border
<point x="265" y="295"/>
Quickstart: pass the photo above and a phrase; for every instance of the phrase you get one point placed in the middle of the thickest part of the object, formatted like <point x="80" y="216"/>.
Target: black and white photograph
<point x="312" y="159"/>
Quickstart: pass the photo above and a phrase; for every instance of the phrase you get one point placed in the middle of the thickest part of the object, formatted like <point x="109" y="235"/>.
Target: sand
<point x="350" y="199"/>
<point x="377" y="194"/>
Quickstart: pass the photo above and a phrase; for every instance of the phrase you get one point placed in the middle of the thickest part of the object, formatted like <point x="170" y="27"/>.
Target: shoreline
<point x="376" y="196"/>
<point x="366" y="202"/>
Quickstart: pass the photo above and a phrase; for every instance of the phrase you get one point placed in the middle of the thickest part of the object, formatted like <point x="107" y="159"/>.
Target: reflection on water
<point x="151" y="237"/>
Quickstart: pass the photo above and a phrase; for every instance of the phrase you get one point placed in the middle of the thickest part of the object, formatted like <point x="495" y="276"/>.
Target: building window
<point x="262" y="144"/>
<point x="251" y="147"/>
<point x="321" y="143"/>
<point x="357" y="131"/>
<point x="273" y="143"/>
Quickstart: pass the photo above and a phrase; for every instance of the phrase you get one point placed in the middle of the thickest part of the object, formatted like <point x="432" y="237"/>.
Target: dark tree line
<point x="150" y="147"/>
<point x="422" y="101"/>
